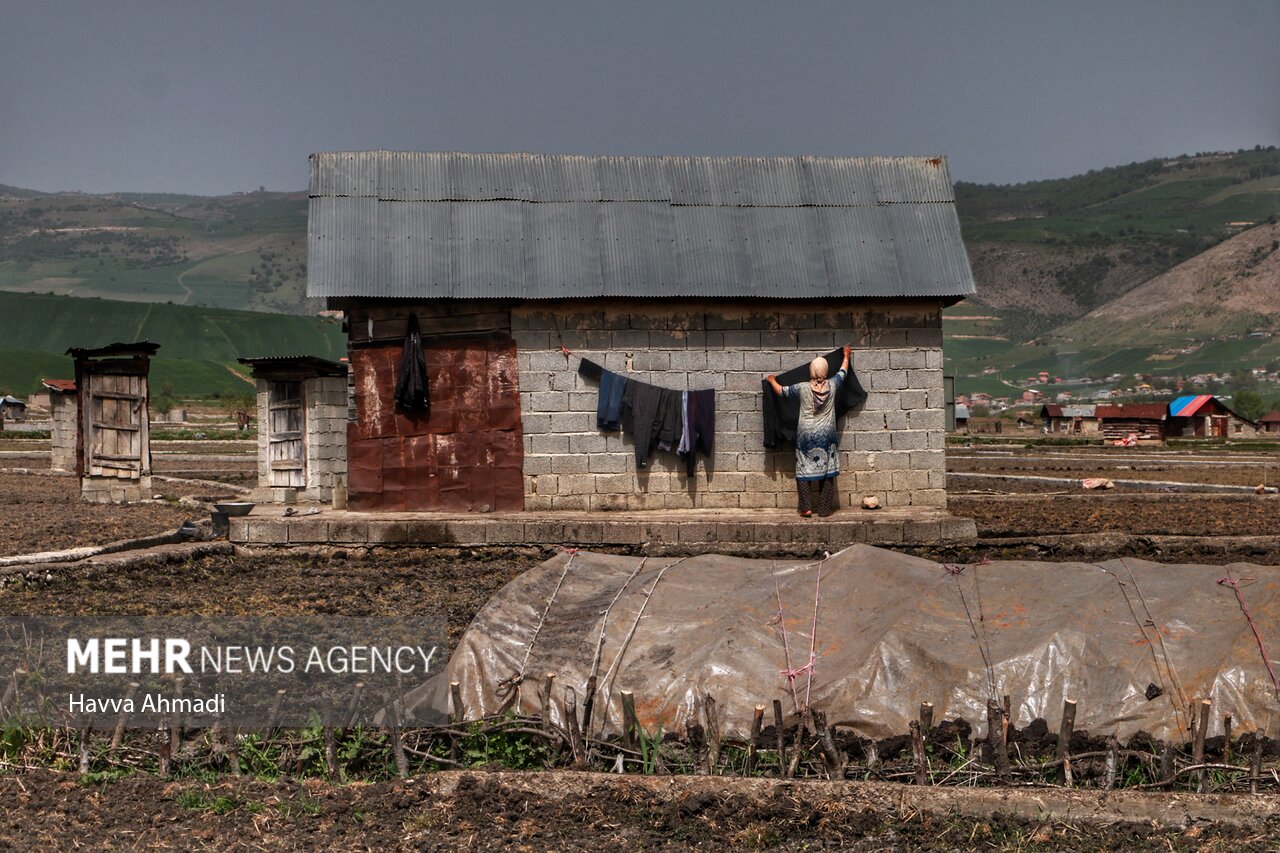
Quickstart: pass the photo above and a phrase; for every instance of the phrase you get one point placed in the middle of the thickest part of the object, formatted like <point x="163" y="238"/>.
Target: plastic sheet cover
<point x="1132" y="642"/>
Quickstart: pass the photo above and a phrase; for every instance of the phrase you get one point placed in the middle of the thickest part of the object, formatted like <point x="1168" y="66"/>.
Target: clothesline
<point x="568" y="353"/>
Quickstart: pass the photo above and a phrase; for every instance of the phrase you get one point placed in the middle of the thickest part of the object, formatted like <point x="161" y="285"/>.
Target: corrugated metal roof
<point x="1188" y="405"/>
<point x="409" y="224"/>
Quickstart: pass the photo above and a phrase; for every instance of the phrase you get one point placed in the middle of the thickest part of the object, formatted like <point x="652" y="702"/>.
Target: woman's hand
<point x="847" y="350"/>
<point x="773" y="380"/>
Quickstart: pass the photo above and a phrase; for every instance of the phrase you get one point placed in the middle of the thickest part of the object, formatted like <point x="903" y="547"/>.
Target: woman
<point x="817" y="439"/>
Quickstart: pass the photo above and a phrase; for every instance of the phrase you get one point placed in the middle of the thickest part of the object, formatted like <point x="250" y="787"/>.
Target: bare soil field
<point x="560" y="811"/>
<point x="41" y="513"/>
<point x="1222" y="468"/>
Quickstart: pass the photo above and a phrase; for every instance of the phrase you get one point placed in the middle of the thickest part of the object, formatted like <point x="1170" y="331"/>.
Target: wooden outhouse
<point x="302" y="426"/>
<point x="113" y="449"/>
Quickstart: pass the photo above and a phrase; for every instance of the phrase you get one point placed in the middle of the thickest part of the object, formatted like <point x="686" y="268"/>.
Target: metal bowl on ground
<point x="234" y="508"/>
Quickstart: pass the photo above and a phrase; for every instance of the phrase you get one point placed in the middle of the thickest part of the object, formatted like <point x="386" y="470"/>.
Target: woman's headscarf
<point x="818" y="380"/>
<point x="818" y="369"/>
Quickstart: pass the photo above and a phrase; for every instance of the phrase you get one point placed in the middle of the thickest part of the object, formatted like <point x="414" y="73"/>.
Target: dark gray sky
<point x="223" y="95"/>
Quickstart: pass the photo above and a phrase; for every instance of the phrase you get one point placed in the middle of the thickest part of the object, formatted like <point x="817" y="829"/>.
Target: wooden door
<point x="286" y="435"/>
<point x="115" y="421"/>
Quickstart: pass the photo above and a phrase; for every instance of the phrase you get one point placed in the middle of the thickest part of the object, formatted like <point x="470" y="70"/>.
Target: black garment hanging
<point x="781" y="414"/>
<point x="411" y="384"/>
<point x="651" y="416"/>
<point x="700" y="426"/>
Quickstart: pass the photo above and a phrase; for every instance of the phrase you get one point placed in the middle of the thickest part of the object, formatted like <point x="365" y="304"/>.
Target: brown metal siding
<point x="467" y="455"/>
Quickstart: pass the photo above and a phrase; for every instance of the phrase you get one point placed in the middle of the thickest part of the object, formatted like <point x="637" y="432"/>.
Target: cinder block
<point x="721" y="322"/>
<point x="604" y="463"/>
<point x="569" y="463"/>
<point x="866" y="360"/>
<point x="906" y="358"/>
<point x="534" y="423"/>
<point x="779" y="339"/>
<point x="889" y="380"/>
<point x="548" y="401"/>
<point x="547" y="444"/>
<point x="573" y="422"/>
<point x="592" y="443"/>
<point x="871" y="441"/>
<point x="909" y="440"/>
<point x="689" y="360"/>
<point x="925" y="379"/>
<point x="924" y="337"/>
<point x="698" y="532"/>
<point x="905" y="481"/>
<point x="727" y="481"/>
<point x="933" y="358"/>
<point x="718" y="500"/>
<point x="911" y="400"/>
<point x="819" y="341"/>
<point x="576" y="484"/>
<point x="537" y="464"/>
<point x="896" y="420"/>
<point x="927" y="419"/>
<point x="547" y="484"/>
<point x="929" y="497"/>
<point x="925" y="460"/>
<point x="759" y="499"/>
<point x="882" y="401"/>
<point x="921" y="532"/>
<point x="668" y="340"/>
<point x="629" y="340"/>
<point x="738" y="340"/>
<point x="574" y="502"/>
<point x="728" y="359"/>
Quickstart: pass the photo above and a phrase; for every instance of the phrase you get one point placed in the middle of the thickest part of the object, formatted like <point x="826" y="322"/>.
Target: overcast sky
<point x="223" y="95"/>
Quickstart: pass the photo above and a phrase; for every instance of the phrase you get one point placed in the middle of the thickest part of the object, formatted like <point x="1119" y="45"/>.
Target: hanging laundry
<point x="411" y="384"/>
<point x="782" y="413"/>
<point x="698" y="433"/>
<point x="652" y="417"/>
<point x="609" y="403"/>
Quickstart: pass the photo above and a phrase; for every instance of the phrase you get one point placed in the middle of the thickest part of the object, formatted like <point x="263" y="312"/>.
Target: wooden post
<point x="1226" y="730"/>
<point x="757" y="723"/>
<point x="123" y="719"/>
<point x="331" y="753"/>
<point x="995" y="737"/>
<point x="588" y="704"/>
<point x="273" y="721"/>
<point x="233" y="750"/>
<point x="1113" y="763"/>
<point x="713" y="734"/>
<point x="1197" y="746"/>
<point x="780" y="737"/>
<point x="397" y="745"/>
<point x="353" y="708"/>
<point x="1166" y="764"/>
<point x="84" y="748"/>
<point x="630" y="723"/>
<point x="926" y="718"/>
<point x="457" y="712"/>
<point x="697" y="737"/>
<point x="1255" y="765"/>
<point x="1065" y="731"/>
<point x="1008" y="715"/>
<point x="571" y="722"/>
<point x="548" y="685"/>
<point x="917" y="753"/>
<point x="11" y="701"/>
<point x="831" y="757"/>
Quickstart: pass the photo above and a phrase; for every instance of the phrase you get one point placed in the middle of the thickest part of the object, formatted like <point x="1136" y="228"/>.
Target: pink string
<point x="1257" y="636"/>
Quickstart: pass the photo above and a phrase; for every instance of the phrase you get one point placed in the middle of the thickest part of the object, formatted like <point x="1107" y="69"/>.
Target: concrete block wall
<point x="63" y="412"/>
<point x="325" y="398"/>
<point x="324" y="403"/>
<point x="892" y="448"/>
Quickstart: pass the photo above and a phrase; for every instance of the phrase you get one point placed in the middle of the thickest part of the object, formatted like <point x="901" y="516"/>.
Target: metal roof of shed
<point x="415" y="224"/>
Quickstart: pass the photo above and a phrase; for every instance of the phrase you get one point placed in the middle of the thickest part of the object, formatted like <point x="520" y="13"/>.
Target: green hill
<point x="198" y="346"/>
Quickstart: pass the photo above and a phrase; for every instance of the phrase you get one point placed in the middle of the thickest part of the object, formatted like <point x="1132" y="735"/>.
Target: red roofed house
<point x="1205" y="416"/>
<point x="1269" y="424"/>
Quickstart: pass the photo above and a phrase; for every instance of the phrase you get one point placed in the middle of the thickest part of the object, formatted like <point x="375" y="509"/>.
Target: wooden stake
<point x="397" y="744"/>
<point x="588" y="703"/>
<point x="917" y="753"/>
<point x="84" y="749"/>
<point x="353" y="708"/>
<point x="547" y="686"/>
<point x="696" y="736"/>
<point x="630" y="723"/>
<point x="757" y="723"/>
<point x="331" y="753"/>
<point x="1065" y="731"/>
<point x="1166" y="764"/>
<point x="11" y="702"/>
<point x="1113" y="762"/>
<point x="1008" y="714"/>
<point x="273" y="721"/>
<point x="995" y="737"/>
<point x="571" y="722"/>
<point x="1197" y="746"/>
<point x="832" y="757"/>
<point x="713" y="734"/>
<point x="780" y="736"/>
<point x="458" y="712"/>
<point x="1226" y="730"/>
<point x="1255" y="765"/>
<point x="233" y="750"/>
<point x="123" y="719"/>
<point x="926" y="718"/>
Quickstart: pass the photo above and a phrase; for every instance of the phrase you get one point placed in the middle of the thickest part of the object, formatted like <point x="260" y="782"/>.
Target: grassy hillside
<point x="198" y="346"/>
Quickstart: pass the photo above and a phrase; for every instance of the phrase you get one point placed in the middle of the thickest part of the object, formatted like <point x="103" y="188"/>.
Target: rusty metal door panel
<point x="466" y="455"/>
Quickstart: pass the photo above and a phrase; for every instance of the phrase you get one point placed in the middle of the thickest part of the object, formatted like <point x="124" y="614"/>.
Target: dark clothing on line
<point x="609" y="407"/>
<point x="411" y="384"/>
<point x="782" y="413"/>
<point x="588" y="369"/>
<point x="700" y="424"/>
<point x="651" y="416"/>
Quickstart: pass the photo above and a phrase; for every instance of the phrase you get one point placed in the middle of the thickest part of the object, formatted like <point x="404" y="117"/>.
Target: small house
<point x="302" y="426"/>
<point x="12" y="409"/>
<point x="63" y="411"/>
<point x="692" y="274"/>
<point x="1206" y="416"/>
<point x="962" y="418"/>
<point x="1144" y="421"/>
<point x="113" y="446"/>
<point x="1269" y="424"/>
<point x="1069" y="420"/>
